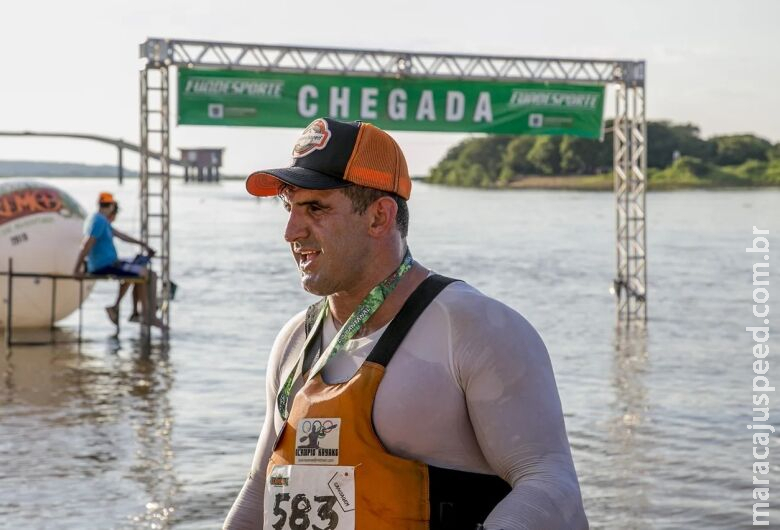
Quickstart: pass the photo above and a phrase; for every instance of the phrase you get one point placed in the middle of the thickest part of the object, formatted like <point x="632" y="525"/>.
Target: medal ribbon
<point x="370" y="304"/>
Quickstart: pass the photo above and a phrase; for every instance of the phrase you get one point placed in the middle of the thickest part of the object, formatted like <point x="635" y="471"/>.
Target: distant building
<point x="202" y="165"/>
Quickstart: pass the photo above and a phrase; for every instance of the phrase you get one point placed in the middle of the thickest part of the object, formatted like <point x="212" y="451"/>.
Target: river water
<point x="106" y="437"/>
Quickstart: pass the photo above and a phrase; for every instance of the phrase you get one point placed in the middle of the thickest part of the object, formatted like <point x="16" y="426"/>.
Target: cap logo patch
<point x="314" y="137"/>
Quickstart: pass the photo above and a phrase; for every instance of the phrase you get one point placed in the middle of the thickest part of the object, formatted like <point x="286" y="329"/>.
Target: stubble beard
<point x="316" y="286"/>
<point x="341" y="277"/>
<point x="319" y="282"/>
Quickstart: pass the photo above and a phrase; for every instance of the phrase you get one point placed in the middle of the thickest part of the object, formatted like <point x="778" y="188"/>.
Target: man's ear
<point x="382" y="214"/>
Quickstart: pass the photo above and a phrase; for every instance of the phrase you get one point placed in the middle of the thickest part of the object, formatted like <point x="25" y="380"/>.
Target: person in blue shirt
<point x="102" y="258"/>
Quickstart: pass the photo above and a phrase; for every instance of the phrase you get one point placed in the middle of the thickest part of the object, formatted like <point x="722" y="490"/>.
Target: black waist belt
<point x="460" y="500"/>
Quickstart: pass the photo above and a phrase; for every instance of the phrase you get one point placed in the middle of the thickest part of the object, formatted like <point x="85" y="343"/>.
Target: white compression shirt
<point x="470" y="388"/>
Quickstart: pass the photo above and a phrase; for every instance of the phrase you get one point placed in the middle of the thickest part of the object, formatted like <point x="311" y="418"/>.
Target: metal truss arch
<point x="630" y="131"/>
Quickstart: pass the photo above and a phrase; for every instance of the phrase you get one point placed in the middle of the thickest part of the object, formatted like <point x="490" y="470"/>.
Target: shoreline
<point x="602" y="183"/>
<point x="596" y="183"/>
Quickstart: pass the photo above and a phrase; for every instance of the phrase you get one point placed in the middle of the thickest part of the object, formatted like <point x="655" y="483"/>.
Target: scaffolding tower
<point x="155" y="179"/>
<point x="630" y="139"/>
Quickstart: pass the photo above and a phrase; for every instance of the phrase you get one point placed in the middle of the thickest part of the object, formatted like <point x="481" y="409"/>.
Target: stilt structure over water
<point x="202" y="164"/>
<point x="630" y="139"/>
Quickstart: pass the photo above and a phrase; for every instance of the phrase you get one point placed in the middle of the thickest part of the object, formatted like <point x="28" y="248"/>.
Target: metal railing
<point x="11" y="275"/>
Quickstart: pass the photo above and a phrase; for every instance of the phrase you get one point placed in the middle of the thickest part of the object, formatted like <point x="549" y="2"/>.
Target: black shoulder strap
<point x="309" y="356"/>
<point x="397" y="330"/>
<point x="311" y="315"/>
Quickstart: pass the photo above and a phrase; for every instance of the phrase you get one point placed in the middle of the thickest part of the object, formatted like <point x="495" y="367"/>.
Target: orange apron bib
<point x="330" y="471"/>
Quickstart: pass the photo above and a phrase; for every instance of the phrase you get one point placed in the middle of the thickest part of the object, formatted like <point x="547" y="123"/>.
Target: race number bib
<point x="316" y="497"/>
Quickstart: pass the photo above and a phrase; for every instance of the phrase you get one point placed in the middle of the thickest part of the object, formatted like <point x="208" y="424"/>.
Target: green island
<point x="677" y="158"/>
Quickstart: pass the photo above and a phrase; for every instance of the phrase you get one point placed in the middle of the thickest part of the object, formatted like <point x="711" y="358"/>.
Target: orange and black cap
<point x="332" y="154"/>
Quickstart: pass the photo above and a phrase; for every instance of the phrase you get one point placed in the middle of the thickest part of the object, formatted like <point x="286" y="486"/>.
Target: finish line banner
<point x="266" y="99"/>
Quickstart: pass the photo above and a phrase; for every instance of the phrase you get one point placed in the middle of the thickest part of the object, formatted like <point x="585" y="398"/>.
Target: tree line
<point x="499" y="160"/>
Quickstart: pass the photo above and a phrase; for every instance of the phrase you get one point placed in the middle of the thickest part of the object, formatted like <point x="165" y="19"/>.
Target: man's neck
<point x="342" y="305"/>
<point x="385" y="258"/>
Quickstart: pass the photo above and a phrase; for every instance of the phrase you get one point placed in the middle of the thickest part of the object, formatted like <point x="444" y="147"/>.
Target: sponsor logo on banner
<point x="216" y="111"/>
<point x="552" y="98"/>
<point x="314" y="137"/>
<point x="246" y="88"/>
<point x="317" y="441"/>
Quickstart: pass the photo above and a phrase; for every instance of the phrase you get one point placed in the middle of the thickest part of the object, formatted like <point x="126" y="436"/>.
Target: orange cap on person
<point x="106" y="198"/>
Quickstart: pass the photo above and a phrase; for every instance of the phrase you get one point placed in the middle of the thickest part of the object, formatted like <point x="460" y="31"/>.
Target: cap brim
<point x="266" y="183"/>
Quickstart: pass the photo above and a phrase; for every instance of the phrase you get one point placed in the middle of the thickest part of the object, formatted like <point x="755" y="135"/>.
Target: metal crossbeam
<point x="387" y="63"/>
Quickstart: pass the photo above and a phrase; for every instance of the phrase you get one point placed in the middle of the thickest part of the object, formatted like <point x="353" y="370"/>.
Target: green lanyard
<point x="367" y="307"/>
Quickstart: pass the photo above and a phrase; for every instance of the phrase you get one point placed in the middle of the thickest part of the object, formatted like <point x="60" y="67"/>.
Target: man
<point x="102" y="259"/>
<point x="439" y="402"/>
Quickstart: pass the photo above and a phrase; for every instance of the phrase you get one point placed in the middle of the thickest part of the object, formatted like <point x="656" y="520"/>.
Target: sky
<point x="73" y="66"/>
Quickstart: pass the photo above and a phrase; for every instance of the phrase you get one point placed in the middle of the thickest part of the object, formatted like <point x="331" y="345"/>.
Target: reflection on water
<point x="90" y="422"/>
<point x="629" y="410"/>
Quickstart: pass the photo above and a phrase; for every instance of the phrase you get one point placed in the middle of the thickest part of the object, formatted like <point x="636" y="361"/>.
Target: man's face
<point x="328" y="240"/>
<point x="109" y="212"/>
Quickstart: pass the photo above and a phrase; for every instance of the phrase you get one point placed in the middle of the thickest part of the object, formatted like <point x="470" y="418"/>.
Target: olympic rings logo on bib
<point x="317" y="425"/>
<point x="317" y="441"/>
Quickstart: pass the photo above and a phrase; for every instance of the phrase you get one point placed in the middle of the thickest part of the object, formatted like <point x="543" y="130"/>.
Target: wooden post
<point x="120" y="167"/>
<point x="53" y="307"/>
<point x="81" y="303"/>
<point x="10" y="295"/>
